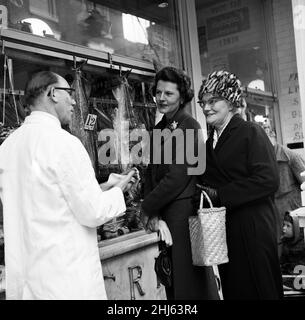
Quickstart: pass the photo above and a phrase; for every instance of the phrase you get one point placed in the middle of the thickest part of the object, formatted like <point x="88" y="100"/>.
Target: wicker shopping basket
<point x="208" y="235"/>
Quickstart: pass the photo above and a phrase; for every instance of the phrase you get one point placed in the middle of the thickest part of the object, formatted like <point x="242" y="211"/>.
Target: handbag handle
<point x="201" y="199"/>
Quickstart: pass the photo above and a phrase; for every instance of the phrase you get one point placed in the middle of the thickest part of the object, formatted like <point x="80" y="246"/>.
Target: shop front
<point x="259" y="41"/>
<point x="109" y="52"/>
<point x="262" y="42"/>
<point x="234" y="36"/>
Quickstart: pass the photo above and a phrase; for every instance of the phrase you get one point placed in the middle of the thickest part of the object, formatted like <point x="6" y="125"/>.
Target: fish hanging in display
<point x="123" y="121"/>
<point x="80" y="116"/>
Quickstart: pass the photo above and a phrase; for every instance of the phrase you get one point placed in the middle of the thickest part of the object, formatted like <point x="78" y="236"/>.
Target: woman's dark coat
<point x="243" y="169"/>
<point x="168" y="195"/>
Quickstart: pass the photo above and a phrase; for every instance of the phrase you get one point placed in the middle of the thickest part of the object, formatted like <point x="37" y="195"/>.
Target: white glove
<point x="164" y="233"/>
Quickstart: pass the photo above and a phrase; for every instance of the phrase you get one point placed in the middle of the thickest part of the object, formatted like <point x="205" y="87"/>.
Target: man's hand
<point x="134" y="180"/>
<point x="127" y="181"/>
<point x="124" y="181"/>
<point x="136" y="173"/>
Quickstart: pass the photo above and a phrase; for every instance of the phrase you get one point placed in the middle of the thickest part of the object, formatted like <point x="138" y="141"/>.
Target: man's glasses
<point x="69" y="90"/>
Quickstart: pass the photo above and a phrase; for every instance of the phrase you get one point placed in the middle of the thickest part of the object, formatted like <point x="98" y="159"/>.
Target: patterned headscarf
<point x="223" y="84"/>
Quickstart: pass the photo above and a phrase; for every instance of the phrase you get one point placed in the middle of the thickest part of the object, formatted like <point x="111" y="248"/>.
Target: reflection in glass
<point x="37" y="26"/>
<point x="232" y="36"/>
<point x="257" y="84"/>
<point x="135" y="28"/>
<point x="142" y="30"/>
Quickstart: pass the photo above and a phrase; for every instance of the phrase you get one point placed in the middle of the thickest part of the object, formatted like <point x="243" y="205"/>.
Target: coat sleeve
<point x="90" y="205"/>
<point x="169" y="188"/>
<point x="263" y="178"/>
<point x="147" y="181"/>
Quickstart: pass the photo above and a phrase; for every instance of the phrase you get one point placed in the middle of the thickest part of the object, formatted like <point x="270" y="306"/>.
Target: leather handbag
<point x="163" y="267"/>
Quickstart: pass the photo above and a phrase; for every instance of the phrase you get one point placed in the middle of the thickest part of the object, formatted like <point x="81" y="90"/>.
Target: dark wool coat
<point x="243" y="169"/>
<point x="168" y="194"/>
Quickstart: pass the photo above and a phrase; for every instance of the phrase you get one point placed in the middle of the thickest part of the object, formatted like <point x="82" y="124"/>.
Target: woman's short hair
<point x="179" y="77"/>
<point x="39" y="84"/>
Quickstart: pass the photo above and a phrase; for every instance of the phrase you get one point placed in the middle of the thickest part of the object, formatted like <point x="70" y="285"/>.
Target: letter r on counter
<point x="135" y="275"/>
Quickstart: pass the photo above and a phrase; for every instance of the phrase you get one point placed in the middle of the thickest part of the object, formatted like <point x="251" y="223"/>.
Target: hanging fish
<point x="124" y="120"/>
<point x="79" y="117"/>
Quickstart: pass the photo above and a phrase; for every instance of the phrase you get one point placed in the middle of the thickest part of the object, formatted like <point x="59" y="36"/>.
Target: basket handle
<point x="203" y="193"/>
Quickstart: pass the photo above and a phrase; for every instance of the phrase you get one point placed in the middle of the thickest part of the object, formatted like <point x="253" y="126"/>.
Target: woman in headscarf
<point x="241" y="174"/>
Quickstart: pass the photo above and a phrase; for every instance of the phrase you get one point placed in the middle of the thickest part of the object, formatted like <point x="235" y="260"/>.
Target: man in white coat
<point x="52" y="202"/>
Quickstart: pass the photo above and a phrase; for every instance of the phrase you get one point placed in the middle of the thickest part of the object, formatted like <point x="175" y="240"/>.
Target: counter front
<point x="128" y="267"/>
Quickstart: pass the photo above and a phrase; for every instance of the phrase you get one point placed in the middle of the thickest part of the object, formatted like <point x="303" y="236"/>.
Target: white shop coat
<point x="52" y="205"/>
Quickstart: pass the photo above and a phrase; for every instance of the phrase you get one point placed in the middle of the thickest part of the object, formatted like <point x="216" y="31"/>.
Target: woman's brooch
<point x="173" y="125"/>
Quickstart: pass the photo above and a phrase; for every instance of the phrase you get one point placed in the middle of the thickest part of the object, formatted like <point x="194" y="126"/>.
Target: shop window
<point x="3" y="16"/>
<point x="257" y="85"/>
<point x="37" y="26"/>
<point x="135" y="28"/>
<point x="232" y="36"/>
<point x="138" y="29"/>
<point x="109" y="95"/>
<point x="44" y="8"/>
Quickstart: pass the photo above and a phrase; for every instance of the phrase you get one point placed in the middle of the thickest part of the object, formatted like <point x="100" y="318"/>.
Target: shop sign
<point x="228" y="23"/>
<point x="3" y="17"/>
<point x="90" y="122"/>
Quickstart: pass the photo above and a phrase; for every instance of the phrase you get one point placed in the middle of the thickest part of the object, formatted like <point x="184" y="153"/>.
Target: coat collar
<point x="233" y="124"/>
<point x="179" y="116"/>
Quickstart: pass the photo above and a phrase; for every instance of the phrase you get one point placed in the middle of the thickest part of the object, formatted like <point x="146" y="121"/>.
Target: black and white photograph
<point x="152" y="153"/>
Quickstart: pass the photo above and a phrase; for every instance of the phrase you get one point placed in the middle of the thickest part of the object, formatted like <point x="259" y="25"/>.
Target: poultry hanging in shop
<point x="124" y="120"/>
<point x="80" y="114"/>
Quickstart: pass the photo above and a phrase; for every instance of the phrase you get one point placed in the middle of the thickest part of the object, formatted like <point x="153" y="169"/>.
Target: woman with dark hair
<point x="169" y="188"/>
<point x="241" y="174"/>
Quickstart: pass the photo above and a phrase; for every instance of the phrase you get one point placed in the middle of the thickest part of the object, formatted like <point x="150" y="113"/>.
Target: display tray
<point x="126" y="243"/>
